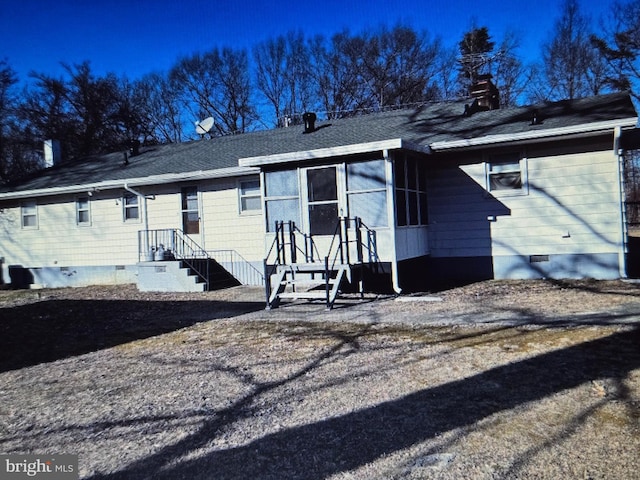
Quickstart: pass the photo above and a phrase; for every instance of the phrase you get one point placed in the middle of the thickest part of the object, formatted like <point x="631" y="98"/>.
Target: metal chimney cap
<point x="309" y="119"/>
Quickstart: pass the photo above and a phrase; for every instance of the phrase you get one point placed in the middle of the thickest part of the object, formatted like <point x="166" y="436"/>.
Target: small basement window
<point x="506" y="174"/>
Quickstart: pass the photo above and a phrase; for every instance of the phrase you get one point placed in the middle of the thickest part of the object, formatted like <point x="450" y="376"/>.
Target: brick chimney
<point x="486" y="93"/>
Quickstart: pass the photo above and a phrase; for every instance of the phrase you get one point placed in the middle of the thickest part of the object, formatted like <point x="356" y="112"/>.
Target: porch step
<point x="312" y="267"/>
<point x="306" y="295"/>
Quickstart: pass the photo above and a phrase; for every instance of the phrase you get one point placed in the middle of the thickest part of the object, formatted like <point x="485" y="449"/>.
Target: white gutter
<point x="619" y="155"/>
<point x="341" y="150"/>
<point x="534" y="134"/>
<point x="391" y="220"/>
<point x="138" y="182"/>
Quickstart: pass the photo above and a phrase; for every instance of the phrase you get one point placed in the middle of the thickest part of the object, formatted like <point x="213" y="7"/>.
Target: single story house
<point x="441" y="193"/>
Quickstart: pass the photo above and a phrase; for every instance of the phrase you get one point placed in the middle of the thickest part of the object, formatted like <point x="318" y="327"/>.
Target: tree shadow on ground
<point x="54" y="329"/>
<point x="346" y="442"/>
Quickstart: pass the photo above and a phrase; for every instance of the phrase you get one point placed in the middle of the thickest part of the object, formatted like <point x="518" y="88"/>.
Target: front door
<point x="322" y="200"/>
<point x="191" y="214"/>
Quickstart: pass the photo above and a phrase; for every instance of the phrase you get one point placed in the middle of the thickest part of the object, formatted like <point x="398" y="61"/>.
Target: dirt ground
<point x="500" y="379"/>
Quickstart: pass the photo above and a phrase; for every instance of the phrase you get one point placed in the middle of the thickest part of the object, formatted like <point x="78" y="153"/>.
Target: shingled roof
<point x="428" y="127"/>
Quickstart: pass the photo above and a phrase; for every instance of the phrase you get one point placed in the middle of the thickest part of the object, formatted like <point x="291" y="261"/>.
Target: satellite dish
<point x="204" y="126"/>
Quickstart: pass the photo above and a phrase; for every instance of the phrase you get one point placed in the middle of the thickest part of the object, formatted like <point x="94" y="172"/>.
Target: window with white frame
<point x="507" y="174"/>
<point x="29" y="214"/>
<point x="83" y="210"/>
<point x="249" y="192"/>
<point x="130" y="208"/>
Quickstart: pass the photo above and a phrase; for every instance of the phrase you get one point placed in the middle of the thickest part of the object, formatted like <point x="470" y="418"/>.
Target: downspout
<point x="622" y="252"/>
<point x="391" y="216"/>
<point x="145" y="217"/>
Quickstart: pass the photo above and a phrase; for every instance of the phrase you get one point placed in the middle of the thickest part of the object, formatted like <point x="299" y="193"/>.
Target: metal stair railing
<point x="173" y="243"/>
<point x="239" y="267"/>
<point x="337" y="254"/>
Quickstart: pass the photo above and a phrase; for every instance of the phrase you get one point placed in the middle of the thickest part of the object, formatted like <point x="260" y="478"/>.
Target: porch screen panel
<point x="282" y="210"/>
<point x="282" y="184"/>
<point x="371" y="207"/>
<point x="282" y="198"/>
<point x="410" y="179"/>
<point x="366" y="192"/>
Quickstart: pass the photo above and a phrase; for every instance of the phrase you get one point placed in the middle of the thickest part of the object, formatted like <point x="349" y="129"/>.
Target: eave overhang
<point x="331" y="152"/>
<point x="132" y="182"/>
<point x="576" y="131"/>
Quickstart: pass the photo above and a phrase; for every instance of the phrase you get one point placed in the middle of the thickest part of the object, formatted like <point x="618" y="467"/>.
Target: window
<point x="83" y="213"/>
<point x="250" y="201"/>
<point x="366" y="192"/>
<point x="190" y="211"/>
<point x="506" y="174"/>
<point x="282" y="197"/>
<point x="411" y="192"/>
<point x="29" y="214"/>
<point x="131" y="209"/>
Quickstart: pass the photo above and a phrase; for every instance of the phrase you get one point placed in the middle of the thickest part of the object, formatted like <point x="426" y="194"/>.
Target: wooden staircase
<point x="317" y="277"/>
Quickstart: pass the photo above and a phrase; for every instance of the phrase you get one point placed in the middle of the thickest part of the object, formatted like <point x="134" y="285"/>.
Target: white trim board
<point x="329" y="152"/>
<point x="133" y="182"/>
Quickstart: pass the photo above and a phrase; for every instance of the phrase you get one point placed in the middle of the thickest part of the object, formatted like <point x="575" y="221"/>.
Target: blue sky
<point x="135" y="37"/>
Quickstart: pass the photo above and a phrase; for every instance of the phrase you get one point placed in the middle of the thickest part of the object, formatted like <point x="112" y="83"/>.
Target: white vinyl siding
<point x="225" y="227"/>
<point x="58" y="243"/>
<point x="572" y="207"/>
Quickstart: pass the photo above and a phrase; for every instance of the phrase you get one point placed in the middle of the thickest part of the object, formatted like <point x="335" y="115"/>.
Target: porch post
<point x="391" y="218"/>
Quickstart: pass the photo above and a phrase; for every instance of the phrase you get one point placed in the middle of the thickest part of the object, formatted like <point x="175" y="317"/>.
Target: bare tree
<point x="620" y="46"/>
<point x="399" y="66"/>
<point x="338" y="74"/>
<point x="446" y="73"/>
<point x="572" y="67"/>
<point x="160" y="109"/>
<point x="271" y="80"/>
<point x="510" y="76"/>
<point x="17" y="155"/>
<point x="298" y="74"/>
<point x="217" y="84"/>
